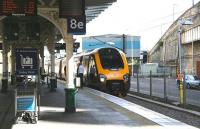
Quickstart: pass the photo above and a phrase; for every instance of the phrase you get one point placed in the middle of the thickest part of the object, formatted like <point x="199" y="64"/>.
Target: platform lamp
<point x="181" y="23"/>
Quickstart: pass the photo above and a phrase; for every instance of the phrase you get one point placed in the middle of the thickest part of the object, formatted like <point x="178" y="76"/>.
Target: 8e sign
<point x="76" y="25"/>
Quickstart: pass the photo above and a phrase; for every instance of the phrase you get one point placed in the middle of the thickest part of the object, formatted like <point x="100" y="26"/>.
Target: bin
<point x="53" y="84"/>
<point x="70" y="100"/>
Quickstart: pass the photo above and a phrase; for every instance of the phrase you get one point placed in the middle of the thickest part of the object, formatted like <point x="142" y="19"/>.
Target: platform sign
<point x="60" y="46"/>
<point x="18" y="7"/>
<point x="76" y="25"/>
<point x="25" y="103"/>
<point x="26" y="61"/>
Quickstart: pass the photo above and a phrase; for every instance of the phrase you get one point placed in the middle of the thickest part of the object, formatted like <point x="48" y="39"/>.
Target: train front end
<point x="113" y="70"/>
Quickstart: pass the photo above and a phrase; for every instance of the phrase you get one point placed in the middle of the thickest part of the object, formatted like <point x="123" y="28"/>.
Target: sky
<point x="146" y="18"/>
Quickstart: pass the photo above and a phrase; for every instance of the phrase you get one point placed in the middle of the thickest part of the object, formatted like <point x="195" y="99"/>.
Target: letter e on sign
<point x="76" y="25"/>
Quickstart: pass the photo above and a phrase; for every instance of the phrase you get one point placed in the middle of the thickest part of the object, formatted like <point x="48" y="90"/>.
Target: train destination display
<point x="71" y="8"/>
<point x="18" y="7"/>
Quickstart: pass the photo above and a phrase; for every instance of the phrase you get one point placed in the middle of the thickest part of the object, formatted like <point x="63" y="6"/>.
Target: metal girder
<point x="95" y="7"/>
<point x="98" y="2"/>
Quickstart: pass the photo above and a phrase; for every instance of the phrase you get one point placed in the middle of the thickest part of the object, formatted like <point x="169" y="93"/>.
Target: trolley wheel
<point x="16" y="121"/>
<point x="34" y="121"/>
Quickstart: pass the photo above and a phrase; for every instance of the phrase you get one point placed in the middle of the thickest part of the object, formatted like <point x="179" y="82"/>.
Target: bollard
<point x="181" y="92"/>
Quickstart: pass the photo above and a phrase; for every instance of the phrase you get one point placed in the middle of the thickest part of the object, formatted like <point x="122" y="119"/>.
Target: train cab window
<point x="110" y="59"/>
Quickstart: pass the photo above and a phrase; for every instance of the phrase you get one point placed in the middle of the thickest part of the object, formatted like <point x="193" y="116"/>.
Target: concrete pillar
<point x="42" y="62"/>
<point x="70" y="89"/>
<point x="5" y="70"/>
<point x="51" y="47"/>
<point x="52" y="61"/>
<point x="12" y="65"/>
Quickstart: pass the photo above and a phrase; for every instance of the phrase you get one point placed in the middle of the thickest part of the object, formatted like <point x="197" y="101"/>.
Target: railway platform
<point x="94" y="109"/>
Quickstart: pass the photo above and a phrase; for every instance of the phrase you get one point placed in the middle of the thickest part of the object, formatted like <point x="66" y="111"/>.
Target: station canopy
<point x="37" y="32"/>
<point x="92" y="7"/>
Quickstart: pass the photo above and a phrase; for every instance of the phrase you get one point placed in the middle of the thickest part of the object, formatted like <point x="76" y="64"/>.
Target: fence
<point x="163" y="86"/>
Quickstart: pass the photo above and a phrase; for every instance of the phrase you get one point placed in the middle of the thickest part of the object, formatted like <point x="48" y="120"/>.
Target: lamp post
<point x="181" y="23"/>
<point x="123" y="43"/>
<point x="132" y="56"/>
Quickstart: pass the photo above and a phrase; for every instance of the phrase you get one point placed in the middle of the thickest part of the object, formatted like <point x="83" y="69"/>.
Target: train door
<point x="92" y="72"/>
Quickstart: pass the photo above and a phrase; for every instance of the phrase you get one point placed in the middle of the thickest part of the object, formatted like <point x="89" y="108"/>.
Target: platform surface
<point x="97" y="110"/>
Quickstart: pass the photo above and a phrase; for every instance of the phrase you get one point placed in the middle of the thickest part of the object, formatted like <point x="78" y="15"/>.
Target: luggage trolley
<point x="26" y="101"/>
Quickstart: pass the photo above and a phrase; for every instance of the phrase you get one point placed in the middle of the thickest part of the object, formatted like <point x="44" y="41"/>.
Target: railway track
<point x="184" y="115"/>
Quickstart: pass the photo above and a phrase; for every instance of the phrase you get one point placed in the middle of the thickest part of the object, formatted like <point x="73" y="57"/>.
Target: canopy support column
<point x="5" y="70"/>
<point x="70" y="89"/>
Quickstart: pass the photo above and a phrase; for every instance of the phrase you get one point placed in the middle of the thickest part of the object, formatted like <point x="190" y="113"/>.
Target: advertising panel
<point x="25" y="103"/>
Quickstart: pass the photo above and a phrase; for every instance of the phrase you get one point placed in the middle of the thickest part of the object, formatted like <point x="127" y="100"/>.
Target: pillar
<point x="42" y="63"/>
<point x="70" y="89"/>
<point x="51" y="47"/>
<point x="12" y="65"/>
<point x="5" y="70"/>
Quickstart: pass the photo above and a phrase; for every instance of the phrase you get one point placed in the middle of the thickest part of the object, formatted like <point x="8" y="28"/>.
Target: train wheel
<point x="124" y="94"/>
<point x="120" y="95"/>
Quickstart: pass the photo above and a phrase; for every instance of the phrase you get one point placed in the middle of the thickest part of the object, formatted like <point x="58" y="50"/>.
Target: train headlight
<point x="126" y="77"/>
<point x="102" y="78"/>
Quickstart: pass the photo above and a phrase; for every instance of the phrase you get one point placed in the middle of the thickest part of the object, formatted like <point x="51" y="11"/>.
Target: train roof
<point x="92" y="51"/>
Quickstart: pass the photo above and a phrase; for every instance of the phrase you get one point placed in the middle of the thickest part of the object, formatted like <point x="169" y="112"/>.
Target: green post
<point x="70" y="100"/>
<point x="70" y="89"/>
<point x="181" y="92"/>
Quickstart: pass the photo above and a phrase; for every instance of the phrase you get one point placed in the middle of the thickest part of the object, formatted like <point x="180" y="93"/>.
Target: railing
<point x="164" y="87"/>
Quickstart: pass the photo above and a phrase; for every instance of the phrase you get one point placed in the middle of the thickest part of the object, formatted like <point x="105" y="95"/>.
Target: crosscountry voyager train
<point x="105" y="69"/>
